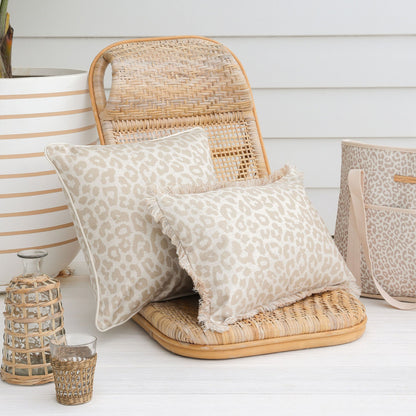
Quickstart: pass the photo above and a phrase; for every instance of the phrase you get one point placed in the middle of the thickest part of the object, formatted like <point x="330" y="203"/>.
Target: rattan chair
<point x="164" y="85"/>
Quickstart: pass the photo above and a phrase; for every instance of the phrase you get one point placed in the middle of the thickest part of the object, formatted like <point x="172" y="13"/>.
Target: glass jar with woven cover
<point x="33" y="314"/>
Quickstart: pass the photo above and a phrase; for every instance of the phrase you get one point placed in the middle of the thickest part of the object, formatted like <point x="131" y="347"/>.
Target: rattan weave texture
<point x="329" y="311"/>
<point x="33" y="315"/>
<point x="162" y="86"/>
<point x="74" y="381"/>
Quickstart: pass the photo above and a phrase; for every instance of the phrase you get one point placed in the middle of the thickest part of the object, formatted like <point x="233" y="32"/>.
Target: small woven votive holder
<point x="73" y="364"/>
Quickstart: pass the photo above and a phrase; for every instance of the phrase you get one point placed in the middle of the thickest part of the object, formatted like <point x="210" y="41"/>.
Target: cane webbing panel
<point x="163" y="86"/>
<point x="329" y="311"/>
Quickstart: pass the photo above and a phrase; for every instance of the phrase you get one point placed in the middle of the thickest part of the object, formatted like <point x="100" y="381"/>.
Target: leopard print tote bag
<point x="376" y="221"/>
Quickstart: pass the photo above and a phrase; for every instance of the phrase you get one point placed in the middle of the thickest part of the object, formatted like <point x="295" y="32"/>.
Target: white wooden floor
<point x="375" y="375"/>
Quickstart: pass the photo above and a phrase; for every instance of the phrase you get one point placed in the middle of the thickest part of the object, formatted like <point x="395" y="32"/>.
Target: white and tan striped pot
<point x="38" y="107"/>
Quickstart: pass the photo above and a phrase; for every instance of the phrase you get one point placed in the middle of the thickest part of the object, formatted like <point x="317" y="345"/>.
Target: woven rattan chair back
<point x="164" y="85"/>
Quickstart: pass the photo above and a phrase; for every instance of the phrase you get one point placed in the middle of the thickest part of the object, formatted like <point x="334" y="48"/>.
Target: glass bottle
<point x="33" y="314"/>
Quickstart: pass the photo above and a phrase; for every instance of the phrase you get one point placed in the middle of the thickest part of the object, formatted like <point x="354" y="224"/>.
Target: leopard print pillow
<point x="251" y="247"/>
<point x="131" y="261"/>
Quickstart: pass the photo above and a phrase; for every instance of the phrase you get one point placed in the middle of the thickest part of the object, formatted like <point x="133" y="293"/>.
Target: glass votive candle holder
<point x="73" y="359"/>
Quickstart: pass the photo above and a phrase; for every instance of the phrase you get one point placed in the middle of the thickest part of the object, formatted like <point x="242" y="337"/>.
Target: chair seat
<point x="330" y="318"/>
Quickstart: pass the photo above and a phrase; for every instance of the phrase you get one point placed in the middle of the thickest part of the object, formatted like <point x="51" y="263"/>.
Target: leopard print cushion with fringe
<point x="251" y="247"/>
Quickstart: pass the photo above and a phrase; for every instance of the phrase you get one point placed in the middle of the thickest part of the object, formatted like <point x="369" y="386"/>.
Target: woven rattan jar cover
<point x="33" y="314"/>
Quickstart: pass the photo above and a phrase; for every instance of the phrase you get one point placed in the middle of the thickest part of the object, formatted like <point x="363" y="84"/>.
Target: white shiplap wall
<point x="321" y="70"/>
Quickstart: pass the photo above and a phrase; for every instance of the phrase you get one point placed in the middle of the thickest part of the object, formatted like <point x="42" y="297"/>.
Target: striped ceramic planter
<point x="38" y="107"/>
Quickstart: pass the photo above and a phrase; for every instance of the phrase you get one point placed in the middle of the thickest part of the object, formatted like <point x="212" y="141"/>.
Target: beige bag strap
<point x="358" y="226"/>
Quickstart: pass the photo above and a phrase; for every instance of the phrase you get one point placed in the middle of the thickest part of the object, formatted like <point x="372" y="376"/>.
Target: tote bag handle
<point x="357" y="236"/>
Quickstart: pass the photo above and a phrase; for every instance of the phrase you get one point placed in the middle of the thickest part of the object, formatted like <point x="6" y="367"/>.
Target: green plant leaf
<point x="3" y="17"/>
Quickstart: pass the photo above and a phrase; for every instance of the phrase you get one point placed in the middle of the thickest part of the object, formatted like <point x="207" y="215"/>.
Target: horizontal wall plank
<point x="319" y="159"/>
<point x="346" y="113"/>
<point x="325" y="201"/>
<point x="332" y="61"/>
<point x="214" y="18"/>
<point x="270" y="62"/>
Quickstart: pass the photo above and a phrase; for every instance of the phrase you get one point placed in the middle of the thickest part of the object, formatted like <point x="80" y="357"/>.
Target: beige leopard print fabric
<point x="389" y="230"/>
<point x="251" y="247"/>
<point x="131" y="261"/>
<point x="391" y="240"/>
